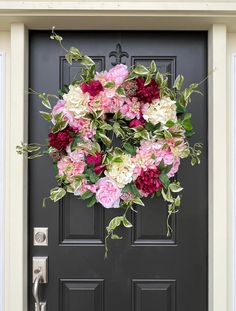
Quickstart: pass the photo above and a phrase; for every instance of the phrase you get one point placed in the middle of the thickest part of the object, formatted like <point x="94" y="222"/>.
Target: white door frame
<point x="16" y="179"/>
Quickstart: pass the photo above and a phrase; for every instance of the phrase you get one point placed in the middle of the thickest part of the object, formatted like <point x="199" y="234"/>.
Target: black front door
<point x="146" y="271"/>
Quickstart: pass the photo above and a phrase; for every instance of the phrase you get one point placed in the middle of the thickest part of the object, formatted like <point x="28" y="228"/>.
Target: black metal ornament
<point x="118" y="54"/>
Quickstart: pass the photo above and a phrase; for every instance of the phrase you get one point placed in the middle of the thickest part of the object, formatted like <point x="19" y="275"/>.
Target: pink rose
<point x="108" y="193"/>
<point x="117" y="74"/>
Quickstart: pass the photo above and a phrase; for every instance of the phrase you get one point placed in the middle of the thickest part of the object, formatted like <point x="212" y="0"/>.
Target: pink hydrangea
<point x="131" y="108"/>
<point x="175" y="167"/>
<point x="109" y="101"/>
<point x="117" y="74"/>
<point x="108" y="193"/>
<point x="69" y="168"/>
<point x="85" y="187"/>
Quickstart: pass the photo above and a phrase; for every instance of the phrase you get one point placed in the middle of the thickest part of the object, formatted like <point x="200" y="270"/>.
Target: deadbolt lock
<point x="40" y="236"/>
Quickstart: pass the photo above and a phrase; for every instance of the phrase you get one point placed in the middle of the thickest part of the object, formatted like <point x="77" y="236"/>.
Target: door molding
<point x="2" y="170"/>
<point x="16" y="201"/>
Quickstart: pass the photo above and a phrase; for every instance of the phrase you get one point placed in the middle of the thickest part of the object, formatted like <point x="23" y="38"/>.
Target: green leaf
<point x="117" y="160"/>
<point x="138" y="201"/>
<point x="87" y="61"/>
<point x="114" y="223"/>
<point x="57" y="193"/>
<point x="140" y="70"/>
<point x="86" y="195"/>
<point x="46" y="115"/>
<point x="161" y="166"/>
<point x="174" y="187"/>
<point x="59" y="126"/>
<point x="134" y="190"/>
<point x="177" y="201"/>
<point x="170" y="123"/>
<point x="69" y="57"/>
<point x="116" y="237"/>
<point x="129" y="148"/>
<point x="110" y="85"/>
<point x="92" y="176"/>
<point x="91" y="202"/>
<point x="149" y="126"/>
<point x="164" y="180"/>
<point x="46" y="103"/>
<point x="120" y="91"/>
<point x="178" y="82"/>
<point x="167" y="134"/>
<point x="118" y="130"/>
<point x="153" y="67"/>
<point x="167" y="196"/>
<point x="75" y="51"/>
<point x="126" y="222"/>
<point x="106" y="140"/>
<point x="148" y="79"/>
<point x="186" y="122"/>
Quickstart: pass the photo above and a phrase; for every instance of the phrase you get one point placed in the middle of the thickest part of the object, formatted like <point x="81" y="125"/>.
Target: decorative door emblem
<point x="118" y="54"/>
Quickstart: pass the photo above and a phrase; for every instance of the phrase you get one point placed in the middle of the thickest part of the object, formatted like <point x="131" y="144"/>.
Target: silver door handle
<point x="36" y="292"/>
<point x="39" y="306"/>
<point x="39" y="277"/>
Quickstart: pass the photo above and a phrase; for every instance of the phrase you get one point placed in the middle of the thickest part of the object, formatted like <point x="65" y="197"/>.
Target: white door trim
<point x="16" y="254"/>
<point x="233" y="187"/>
<point x="2" y="170"/>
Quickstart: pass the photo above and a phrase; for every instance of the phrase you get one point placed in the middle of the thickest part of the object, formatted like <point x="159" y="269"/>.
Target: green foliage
<point x="57" y="193"/>
<point x="129" y="148"/>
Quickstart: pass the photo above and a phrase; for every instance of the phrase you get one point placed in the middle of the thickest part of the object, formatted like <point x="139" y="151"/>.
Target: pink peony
<point x="108" y="193"/>
<point x="117" y="74"/>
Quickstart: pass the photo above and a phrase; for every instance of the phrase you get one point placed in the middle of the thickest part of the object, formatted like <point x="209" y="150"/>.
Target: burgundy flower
<point x="137" y="122"/>
<point x="147" y="93"/>
<point x="96" y="160"/>
<point x="92" y="87"/>
<point x="148" y="181"/>
<point x="60" y="140"/>
<point x="99" y="169"/>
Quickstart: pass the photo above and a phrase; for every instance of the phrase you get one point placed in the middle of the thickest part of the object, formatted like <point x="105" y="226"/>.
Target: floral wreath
<point x="117" y="136"/>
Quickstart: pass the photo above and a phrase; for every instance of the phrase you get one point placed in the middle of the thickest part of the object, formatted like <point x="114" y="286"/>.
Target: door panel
<point x="145" y="271"/>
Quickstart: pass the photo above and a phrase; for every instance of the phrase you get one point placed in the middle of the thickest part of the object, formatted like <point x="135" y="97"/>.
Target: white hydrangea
<point x="76" y="101"/>
<point x="121" y="172"/>
<point x="160" y="110"/>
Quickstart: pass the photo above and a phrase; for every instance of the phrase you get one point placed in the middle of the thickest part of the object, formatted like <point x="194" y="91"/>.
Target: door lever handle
<point x="36" y="292"/>
<point x="39" y="306"/>
<point x="39" y="277"/>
